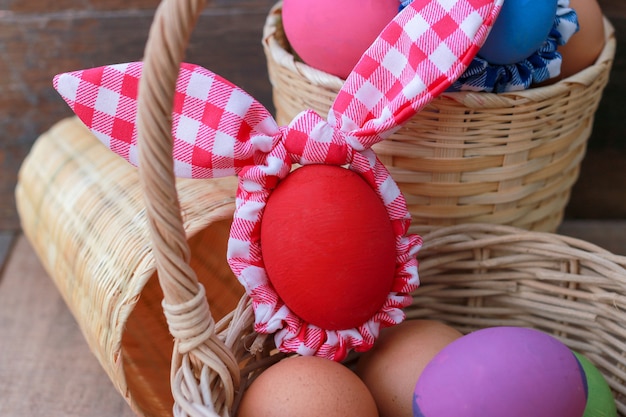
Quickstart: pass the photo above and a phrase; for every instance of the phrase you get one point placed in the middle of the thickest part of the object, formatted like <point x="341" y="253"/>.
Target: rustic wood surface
<point x="40" y="38"/>
<point x="46" y="367"/>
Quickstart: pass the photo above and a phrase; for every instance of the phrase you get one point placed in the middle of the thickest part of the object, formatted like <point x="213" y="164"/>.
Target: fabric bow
<point x="219" y="130"/>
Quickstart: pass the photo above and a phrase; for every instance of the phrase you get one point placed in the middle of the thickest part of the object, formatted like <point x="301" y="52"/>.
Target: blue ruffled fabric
<point x="541" y="66"/>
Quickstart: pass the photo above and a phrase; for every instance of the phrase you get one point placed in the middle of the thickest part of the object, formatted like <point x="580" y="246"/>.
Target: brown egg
<point x="391" y="368"/>
<point x="307" y="386"/>
<point x="584" y="47"/>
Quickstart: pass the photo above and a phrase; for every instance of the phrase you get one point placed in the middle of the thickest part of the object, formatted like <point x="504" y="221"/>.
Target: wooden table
<point x="46" y="368"/>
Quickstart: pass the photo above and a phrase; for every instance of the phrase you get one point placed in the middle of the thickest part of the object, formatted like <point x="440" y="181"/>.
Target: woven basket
<point x="469" y="157"/>
<point x="125" y="246"/>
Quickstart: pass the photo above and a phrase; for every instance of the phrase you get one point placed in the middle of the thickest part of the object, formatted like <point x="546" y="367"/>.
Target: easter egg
<point x="521" y="28"/>
<point x="600" y="401"/>
<point x="502" y="371"/>
<point x="328" y="246"/>
<point x="332" y="35"/>
<point x="307" y="386"/>
<point x="584" y="47"/>
<point x="391" y="368"/>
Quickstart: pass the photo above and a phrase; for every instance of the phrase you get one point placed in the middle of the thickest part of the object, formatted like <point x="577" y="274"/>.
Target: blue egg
<point x="519" y="31"/>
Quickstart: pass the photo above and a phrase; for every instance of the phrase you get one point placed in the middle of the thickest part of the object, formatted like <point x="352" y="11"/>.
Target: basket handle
<point x="197" y="348"/>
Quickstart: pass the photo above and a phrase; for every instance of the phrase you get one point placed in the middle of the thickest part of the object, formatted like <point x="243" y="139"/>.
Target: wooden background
<point x="40" y="38"/>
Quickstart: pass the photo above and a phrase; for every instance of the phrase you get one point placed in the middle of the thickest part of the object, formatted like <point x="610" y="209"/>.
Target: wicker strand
<point x="200" y="361"/>
<point x="161" y="63"/>
<point x="190" y="323"/>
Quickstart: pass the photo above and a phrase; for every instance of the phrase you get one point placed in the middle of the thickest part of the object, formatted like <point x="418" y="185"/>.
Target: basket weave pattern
<point x="82" y="208"/>
<point x="469" y="157"/>
<point x="139" y="258"/>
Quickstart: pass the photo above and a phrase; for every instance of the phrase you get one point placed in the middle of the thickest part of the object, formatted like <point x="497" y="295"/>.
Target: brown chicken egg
<point x="307" y="386"/>
<point x="392" y="367"/>
<point x="584" y="47"/>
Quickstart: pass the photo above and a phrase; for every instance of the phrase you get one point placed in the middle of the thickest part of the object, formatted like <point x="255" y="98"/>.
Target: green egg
<point x="600" y="401"/>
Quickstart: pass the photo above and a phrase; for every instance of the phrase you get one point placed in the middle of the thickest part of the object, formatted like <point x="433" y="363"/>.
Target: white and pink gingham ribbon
<point x="219" y="130"/>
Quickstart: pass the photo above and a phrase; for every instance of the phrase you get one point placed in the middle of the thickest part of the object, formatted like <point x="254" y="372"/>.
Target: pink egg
<point x="331" y="35"/>
<point x="502" y="371"/>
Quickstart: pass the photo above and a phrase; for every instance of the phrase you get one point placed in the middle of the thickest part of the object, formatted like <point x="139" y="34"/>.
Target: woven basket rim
<point x="580" y="247"/>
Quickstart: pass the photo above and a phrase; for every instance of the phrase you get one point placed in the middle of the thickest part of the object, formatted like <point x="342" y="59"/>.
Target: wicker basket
<point x="125" y="246"/>
<point x="469" y="157"/>
<point x="81" y="207"/>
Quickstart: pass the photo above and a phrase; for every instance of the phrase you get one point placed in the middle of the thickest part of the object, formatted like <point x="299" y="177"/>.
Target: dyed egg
<point x="519" y="31"/>
<point x="584" y="47"/>
<point x="332" y="35"/>
<point x="600" y="401"/>
<point x="391" y="368"/>
<point x="328" y="246"/>
<point x="307" y="386"/>
<point x="502" y="371"/>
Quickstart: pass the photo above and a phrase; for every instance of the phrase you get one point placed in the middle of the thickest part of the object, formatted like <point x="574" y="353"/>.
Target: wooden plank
<point x="46" y="368"/>
<point x="47" y="6"/>
<point x="608" y="234"/>
<point x="614" y="8"/>
<point x="6" y="242"/>
<point x="36" y="46"/>
<point x="600" y="192"/>
<point x="81" y="6"/>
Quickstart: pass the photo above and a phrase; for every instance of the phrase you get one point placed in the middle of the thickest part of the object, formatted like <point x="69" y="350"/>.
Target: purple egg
<point x="502" y="371"/>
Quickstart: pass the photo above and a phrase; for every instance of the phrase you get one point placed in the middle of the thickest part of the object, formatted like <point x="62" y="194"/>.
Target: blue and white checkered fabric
<point x="541" y="66"/>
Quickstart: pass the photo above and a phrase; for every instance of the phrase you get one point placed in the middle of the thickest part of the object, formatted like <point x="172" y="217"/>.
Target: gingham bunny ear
<point x="213" y="121"/>
<point x="417" y="56"/>
<point x="220" y="130"/>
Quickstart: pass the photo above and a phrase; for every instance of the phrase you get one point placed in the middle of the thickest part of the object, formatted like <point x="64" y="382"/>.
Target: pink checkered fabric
<point x="219" y="130"/>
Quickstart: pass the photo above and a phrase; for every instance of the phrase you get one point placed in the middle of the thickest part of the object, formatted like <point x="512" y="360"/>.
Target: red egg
<point x="328" y="246"/>
<point x="331" y="35"/>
